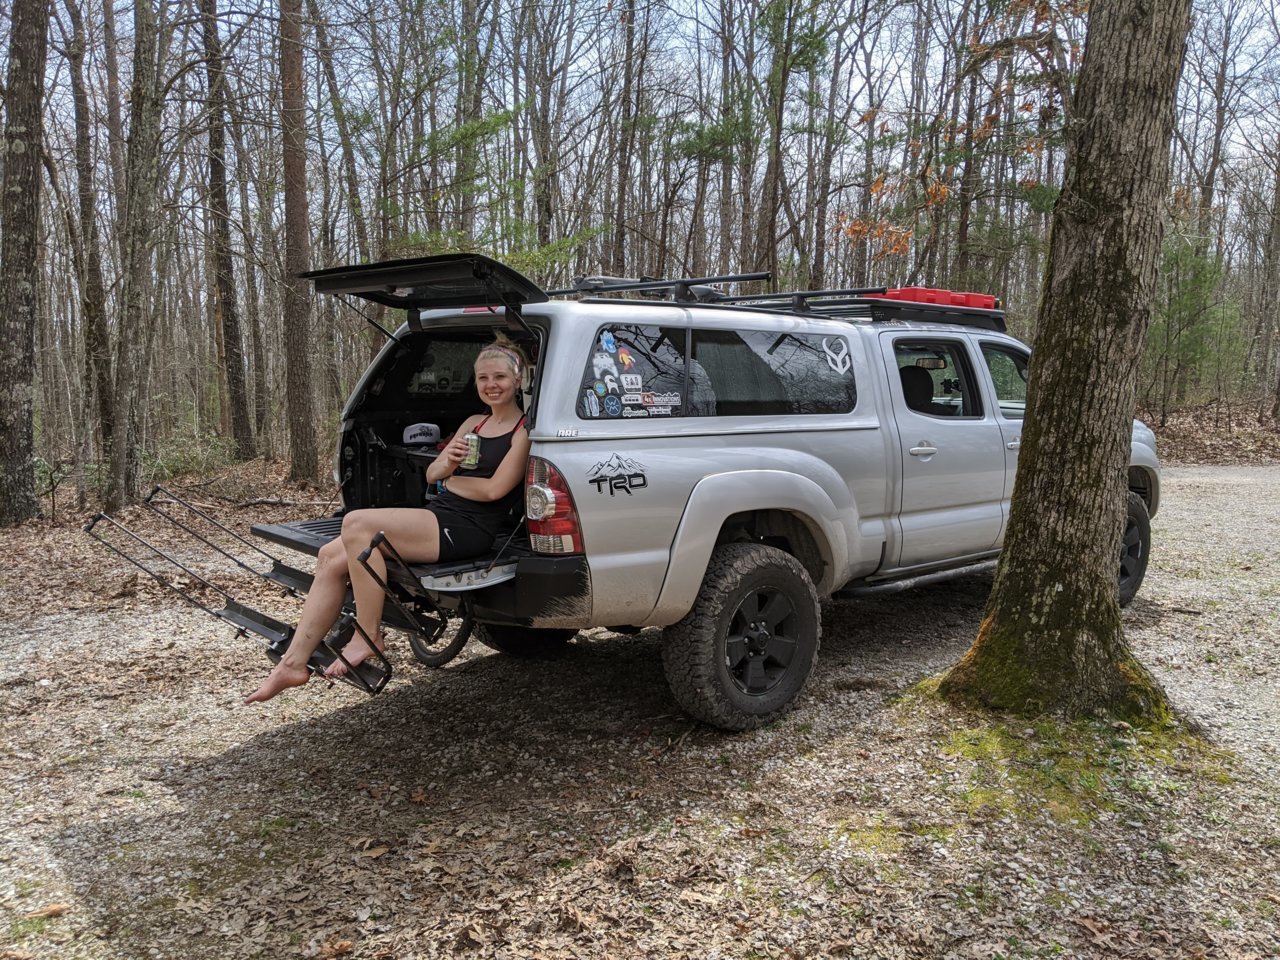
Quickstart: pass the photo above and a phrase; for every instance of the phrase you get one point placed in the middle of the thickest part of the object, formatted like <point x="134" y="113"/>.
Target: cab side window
<point x="936" y="378"/>
<point x="1009" y="374"/>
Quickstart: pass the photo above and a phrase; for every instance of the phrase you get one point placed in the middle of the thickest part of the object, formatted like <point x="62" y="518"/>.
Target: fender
<point x="1142" y="456"/>
<point x="716" y="498"/>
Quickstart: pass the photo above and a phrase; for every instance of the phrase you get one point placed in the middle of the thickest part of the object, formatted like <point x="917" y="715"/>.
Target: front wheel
<point x="741" y="656"/>
<point x="1135" y="548"/>
<point x="523" y="641"/>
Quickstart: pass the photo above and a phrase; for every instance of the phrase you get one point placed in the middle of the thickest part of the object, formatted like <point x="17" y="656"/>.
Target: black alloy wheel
<point x="1135" y="548"/>
<point x="761" y="641"/>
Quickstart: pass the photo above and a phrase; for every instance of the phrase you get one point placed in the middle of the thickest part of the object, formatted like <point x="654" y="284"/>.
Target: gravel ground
<point x="565" y="808"/>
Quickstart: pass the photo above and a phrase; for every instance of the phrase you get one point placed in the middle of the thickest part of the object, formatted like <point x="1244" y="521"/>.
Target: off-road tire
<point x="751" y="686"/>
<point x="1135" y="548"/>
<point x="523" y="641"/>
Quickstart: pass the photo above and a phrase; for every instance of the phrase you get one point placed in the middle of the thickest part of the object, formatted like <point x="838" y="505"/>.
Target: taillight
<point x="549" y="511"/>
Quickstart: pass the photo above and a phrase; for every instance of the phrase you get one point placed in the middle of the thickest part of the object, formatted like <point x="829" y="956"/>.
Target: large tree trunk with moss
<point x="1052" y="640"/>
<point x="20" y="224"/>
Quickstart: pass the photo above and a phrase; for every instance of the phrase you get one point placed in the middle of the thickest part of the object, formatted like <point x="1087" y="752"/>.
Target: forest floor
<point x="565" y="808"/>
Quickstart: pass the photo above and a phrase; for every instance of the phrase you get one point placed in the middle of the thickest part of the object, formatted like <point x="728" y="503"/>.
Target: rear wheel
<point x="444" y="646"/>
<point x="742" y="655"/>
<point x="1135" y="548"/>
<point x="523" y="641"/>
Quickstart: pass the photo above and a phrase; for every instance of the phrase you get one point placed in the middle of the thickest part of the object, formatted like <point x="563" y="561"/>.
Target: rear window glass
<point x="638" y="371"/>
<point x="430" y="372"/>
<point x="445" y="368"/>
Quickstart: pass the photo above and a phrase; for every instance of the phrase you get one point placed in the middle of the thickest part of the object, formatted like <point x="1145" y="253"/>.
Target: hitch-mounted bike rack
<point x="370" y="675"/>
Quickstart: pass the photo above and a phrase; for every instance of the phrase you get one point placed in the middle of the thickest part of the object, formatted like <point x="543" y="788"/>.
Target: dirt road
<point x="565" y="808"/>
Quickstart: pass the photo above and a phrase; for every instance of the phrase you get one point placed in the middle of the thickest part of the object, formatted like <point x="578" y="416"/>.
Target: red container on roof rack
<point x="946" y="298"/>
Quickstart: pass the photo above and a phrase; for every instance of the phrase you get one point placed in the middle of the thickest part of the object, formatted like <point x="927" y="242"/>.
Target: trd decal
<point x="618" y="474"/>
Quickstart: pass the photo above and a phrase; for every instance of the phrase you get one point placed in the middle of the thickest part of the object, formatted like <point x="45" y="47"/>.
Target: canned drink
<point x="472" y="458"/>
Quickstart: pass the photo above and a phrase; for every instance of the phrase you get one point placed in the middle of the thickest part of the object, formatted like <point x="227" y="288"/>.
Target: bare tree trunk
<point x="297" y="305"/>
<point x="220" y="213"/>
<point x="325" y="52"/>
<point x="115" y="126"/>
<point x="20" y="148"/>
<point x="616" y="261"/>
<point x="138" y="228"/>
<point x="253" y="299"/>
<point x="1269" y="312"/>
<point x="1052" y="640"/>
<point x="93" y="295"/>
<point x="781" y="26"/>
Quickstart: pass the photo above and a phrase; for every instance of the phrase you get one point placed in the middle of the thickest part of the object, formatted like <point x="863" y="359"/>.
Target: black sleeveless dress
<point x="468" y="528"/>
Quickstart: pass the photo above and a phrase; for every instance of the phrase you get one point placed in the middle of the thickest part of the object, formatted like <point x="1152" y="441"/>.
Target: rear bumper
<point x="545" y="592"/>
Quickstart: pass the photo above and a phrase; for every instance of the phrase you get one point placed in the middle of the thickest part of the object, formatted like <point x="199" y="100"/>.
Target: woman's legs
<point x="324" y="601"/>
<point x="414" y="533"/>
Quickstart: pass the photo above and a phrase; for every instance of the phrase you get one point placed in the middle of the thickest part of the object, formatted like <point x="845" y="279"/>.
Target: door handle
<point x="1014" y="444"/>
<point x="923" y="451"/>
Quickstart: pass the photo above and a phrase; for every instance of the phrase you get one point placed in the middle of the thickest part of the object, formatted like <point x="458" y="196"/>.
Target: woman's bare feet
<point x="281" y="678"/>
<point x="355" y="653"/>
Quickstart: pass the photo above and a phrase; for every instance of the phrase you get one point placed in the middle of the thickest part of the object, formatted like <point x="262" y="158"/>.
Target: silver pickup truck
<point x="710" y="465"/>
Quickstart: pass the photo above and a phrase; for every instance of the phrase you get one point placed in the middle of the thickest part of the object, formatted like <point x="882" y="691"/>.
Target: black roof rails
<point x="683" y="290"/>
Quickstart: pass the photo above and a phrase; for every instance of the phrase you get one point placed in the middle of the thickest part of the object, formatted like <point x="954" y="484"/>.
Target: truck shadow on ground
<point x="492" y="772"/>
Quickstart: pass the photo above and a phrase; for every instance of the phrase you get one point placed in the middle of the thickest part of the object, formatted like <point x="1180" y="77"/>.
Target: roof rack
<point x="881" y="304"/>
<point x="872" y="304"/>
<point x="684" y="290"/>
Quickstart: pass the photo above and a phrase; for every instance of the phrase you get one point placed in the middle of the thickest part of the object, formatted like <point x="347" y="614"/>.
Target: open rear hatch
<point x="452" y="280"/>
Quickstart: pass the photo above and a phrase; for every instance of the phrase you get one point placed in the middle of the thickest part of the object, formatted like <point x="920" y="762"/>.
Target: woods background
<point x="193" y="162"/>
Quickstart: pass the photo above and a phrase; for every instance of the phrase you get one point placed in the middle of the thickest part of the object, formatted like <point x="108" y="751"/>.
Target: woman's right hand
<point x="454" y="453"/>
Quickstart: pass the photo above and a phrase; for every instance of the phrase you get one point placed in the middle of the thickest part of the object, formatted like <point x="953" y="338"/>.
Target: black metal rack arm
<point x="369" y="676"/>
<point x="90" y="529"/>
<point x="149" y="503"/>
<point x="429" y="632"/>
<point x="805" y="294"/>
